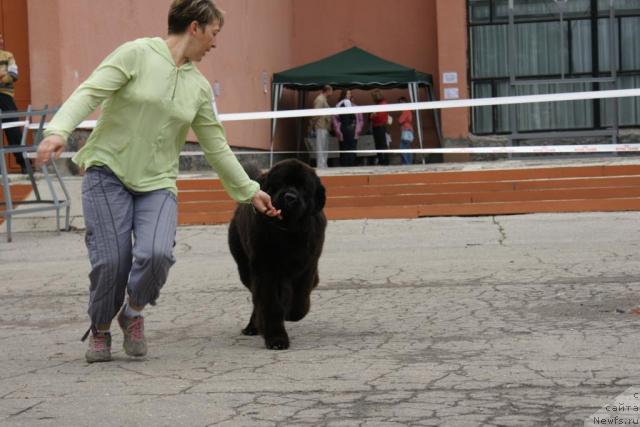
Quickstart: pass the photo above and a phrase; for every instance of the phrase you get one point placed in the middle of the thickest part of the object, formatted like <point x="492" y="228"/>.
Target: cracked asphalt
<point x="494" y="321"/>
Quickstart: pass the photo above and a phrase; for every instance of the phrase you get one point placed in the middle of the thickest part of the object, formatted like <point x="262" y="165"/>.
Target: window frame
<point x="492" y="20"/>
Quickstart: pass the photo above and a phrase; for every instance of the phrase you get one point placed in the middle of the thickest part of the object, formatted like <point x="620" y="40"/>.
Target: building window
<point x="585" y="54"/>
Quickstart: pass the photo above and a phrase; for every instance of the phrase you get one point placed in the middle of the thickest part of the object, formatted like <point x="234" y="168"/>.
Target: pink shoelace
<point x="135" y="328"/>
<point x="100" y="342"/>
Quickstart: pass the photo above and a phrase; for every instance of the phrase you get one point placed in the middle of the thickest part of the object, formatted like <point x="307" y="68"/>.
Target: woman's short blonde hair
<point x="183" y="12"/>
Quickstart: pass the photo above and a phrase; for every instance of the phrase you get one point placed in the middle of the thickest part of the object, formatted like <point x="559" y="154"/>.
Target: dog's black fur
<point x="278" y="258"/>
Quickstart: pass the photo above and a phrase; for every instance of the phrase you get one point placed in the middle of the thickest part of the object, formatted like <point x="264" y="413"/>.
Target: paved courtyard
<point x="511" y="321"/>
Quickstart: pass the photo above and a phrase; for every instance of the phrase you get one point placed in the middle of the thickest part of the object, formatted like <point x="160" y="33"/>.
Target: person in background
<point x="379" y="123"/>
<point x="348" y="128"/>
<point x="322" y="125"/>
<point x="151" y="94"/>
<point x="406" y="133"/>
<point x="8" y="77"/>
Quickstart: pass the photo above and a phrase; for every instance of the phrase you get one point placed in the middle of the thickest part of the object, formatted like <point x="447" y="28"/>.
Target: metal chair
<point x="56" y="202"/>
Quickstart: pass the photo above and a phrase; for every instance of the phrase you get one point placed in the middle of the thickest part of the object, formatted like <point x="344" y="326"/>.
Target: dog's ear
<point x="320" y="196"/>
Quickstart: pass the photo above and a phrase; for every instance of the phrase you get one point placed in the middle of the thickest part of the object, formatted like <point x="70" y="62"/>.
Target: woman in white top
<point x="347" y="128"/>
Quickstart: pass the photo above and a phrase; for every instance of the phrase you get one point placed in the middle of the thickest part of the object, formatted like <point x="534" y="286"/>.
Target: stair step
<point x="507" y="174"/>
<point x="206" y="184"/>
<point x="202" y="195"/>
<point x="458" y="209"/>
<point x="445" y="188"/>
<point x="546" y="206"/>
<point x="19" y="192"/>
<point x="207" y="206"/>
<point x="485" y="197"/>
<point x="204" y="218"/>
<point x="497" y="208"/>
<point x="609" y="181"/>
<point x="553" y="195"/>
<point x="624" y="181"/>
<point x="450" y="198"/>
<point x="481" y="192"/>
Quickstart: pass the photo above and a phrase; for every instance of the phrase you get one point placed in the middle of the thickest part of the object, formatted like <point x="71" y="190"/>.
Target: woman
<point x="379" y="127"/>
<point x="347" y="128"/>
<point x="152" y="95"/>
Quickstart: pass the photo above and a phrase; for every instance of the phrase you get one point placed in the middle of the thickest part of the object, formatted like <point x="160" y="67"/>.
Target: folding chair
<point x="39" y="204"/>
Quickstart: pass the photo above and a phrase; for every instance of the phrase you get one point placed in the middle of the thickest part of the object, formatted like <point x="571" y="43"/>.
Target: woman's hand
<point x="262" y="203"/>
<point x="50" y="147"/>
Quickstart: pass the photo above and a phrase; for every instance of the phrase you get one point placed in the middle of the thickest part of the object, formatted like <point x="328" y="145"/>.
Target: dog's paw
<point x="278" y="343"/>
<point x="250" y="330"/>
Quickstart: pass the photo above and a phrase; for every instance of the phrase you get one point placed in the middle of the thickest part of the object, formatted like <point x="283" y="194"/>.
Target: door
<point x="14" y="27"/>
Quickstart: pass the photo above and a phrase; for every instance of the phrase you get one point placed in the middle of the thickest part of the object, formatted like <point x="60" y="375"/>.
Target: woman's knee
<point x="111" y="261"/>
<point x="161" y="259"/>
<point x="109" y="269"/>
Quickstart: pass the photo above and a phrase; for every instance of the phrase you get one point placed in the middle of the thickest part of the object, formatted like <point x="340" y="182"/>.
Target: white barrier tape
<point x="9" y="125"/>
<point x="479" y="102"/>
<point x="87" y="124"/>
<point x="431" y="105"/>
<point x="538" y="149"/>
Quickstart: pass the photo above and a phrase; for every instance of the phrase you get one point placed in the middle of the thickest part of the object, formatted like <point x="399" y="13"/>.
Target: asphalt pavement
<point x="497" y="321"/>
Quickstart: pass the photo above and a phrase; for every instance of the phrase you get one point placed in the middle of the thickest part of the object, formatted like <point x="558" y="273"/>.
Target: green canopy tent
<point x="349" y="69"/>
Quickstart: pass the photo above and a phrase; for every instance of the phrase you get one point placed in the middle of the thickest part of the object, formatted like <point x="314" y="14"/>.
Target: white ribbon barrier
<point x="539" y="149"/>
<point x="431" y="105"/>
<point x="459" y="103"/>
<point x="9" y="125"/>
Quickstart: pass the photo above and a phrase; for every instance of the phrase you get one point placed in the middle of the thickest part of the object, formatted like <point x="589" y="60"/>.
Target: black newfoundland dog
<point x="278" y="258"/>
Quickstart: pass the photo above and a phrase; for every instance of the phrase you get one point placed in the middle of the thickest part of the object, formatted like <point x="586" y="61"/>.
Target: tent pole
<point x="275" y="91"/>
<point x="413" y="89"/>
<point x="299" y="135"/>
<point x="303" y="101"/>
<point x="436" y="114"/>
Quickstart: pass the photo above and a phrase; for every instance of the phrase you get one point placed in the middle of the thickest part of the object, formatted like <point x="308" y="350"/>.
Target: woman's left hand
<point x="262" y="203"/>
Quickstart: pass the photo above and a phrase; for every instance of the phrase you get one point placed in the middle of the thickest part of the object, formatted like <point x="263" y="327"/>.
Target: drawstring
<point x="93" y="329"/>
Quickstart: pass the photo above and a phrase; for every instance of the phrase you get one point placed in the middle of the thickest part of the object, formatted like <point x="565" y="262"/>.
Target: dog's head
<point x="294" y="188"/>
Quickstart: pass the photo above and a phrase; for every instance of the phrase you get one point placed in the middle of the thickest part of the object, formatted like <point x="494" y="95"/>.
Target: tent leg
<point x="304" y="132"/>
<point x="413" y="92"/>
<point x="299" y="121"/>
<point x="436" y="115"/>
<point x="275" y="93"/>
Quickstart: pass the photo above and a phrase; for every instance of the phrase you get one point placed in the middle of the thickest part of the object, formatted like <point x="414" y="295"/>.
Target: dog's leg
<point x="300" y="306"/>
<point x="239" y="255"/>
<point x="270" y="316"/>
<point x="251" y="328"/>
<point x="301" y="298"/>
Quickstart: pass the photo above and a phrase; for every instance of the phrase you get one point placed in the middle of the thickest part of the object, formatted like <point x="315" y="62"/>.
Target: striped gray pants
<point x="130" y="237"/>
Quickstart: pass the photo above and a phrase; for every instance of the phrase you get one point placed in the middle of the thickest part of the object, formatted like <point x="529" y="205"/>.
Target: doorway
<point x="14" y="25"/>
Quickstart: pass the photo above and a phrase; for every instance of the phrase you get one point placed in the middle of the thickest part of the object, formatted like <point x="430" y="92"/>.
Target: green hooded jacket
<point x="148" y="106"/>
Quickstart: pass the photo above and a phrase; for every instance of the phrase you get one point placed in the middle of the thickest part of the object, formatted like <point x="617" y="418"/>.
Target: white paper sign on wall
<point x="450" y="77"/>
<point x="451" y="93"/>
